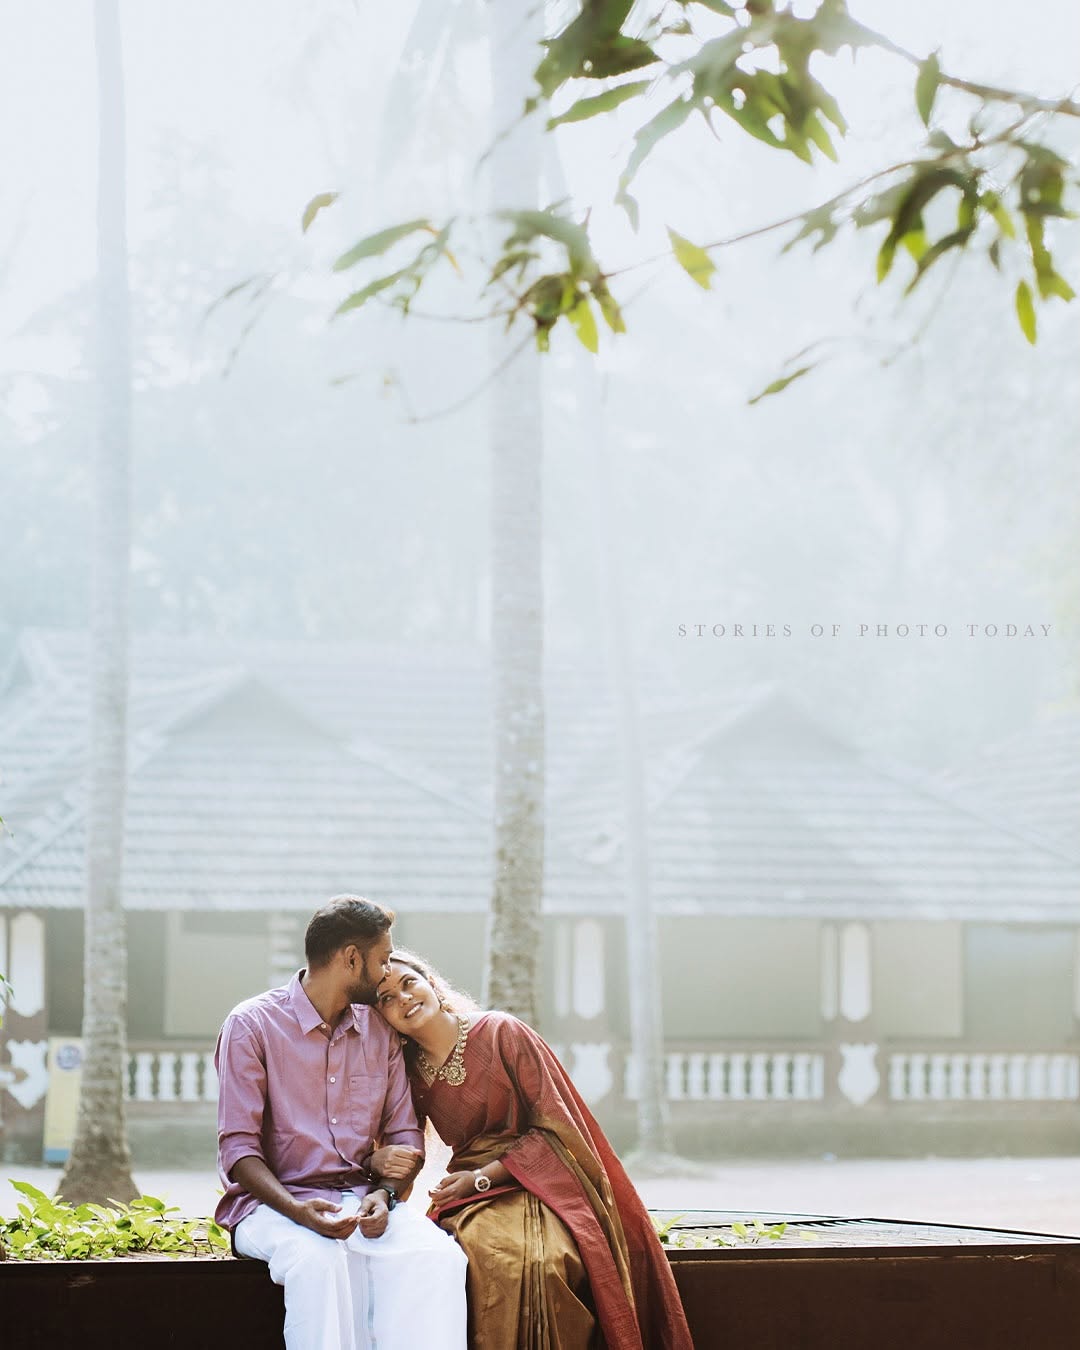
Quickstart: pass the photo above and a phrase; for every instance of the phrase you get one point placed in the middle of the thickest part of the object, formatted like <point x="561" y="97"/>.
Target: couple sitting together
<point x="325" y="1088"/>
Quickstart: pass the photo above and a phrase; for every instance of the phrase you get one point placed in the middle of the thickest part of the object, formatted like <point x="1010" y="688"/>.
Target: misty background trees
<point x="920" y="469"/>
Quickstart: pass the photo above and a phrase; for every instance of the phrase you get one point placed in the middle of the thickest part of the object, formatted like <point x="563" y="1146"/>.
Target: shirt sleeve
<point x="398" y="1124"/>
<point x="241" y="1067"/>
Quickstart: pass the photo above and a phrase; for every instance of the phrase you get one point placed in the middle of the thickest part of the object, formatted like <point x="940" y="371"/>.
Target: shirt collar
<point x="308" y="1015"/>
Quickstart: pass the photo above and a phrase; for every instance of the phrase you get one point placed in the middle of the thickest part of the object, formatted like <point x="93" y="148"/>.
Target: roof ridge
<point x="928" y="786"/>
<point x="437" y="785"/>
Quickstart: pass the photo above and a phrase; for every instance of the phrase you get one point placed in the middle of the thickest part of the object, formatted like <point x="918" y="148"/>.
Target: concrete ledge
<point x="947" y="1295"/>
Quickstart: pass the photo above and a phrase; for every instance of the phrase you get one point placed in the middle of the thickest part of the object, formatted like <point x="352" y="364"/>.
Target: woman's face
<point x="406" y="999"/>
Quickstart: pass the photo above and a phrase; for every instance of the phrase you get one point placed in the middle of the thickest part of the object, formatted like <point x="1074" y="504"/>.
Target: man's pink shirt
<point x="311" y="1108"/>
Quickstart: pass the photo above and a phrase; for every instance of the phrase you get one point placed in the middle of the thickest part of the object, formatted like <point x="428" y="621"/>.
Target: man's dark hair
<point x="344" y="919"/>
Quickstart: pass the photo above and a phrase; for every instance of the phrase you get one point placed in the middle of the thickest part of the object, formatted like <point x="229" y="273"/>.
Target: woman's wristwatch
<point x="481" y="1182"/>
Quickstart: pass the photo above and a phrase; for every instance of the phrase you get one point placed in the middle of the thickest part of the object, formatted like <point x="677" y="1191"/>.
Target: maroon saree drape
<point x="518" y="1104"/>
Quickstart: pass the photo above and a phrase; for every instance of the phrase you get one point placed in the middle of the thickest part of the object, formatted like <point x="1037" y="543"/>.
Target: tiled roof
<point x="772" y="814"/>
<point x="1031" y="780"/>
<point x="265" y="776"/>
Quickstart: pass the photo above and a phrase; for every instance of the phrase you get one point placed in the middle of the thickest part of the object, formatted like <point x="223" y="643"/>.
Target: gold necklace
<point x="452" y="1069"/>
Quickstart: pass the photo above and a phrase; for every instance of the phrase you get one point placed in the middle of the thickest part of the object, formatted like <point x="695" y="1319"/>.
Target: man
<point x="313" y="1105"/>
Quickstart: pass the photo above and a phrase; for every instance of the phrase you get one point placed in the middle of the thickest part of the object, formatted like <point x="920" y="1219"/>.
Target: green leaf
<point x="318" y="203"/>
<point x="24" y="1188"/>
<point x="922" y="189"/>
<point x="777" y="385"/>
<point x="1053" y="283"/>
<point x="942" y="141"/>
<point x="584" y="324"/>
<point x="630" y="206"/>
<point x="519" y="258"/>
<point x="549" y="296"/>
<point x="573" y="237"/>
<point x="957" y="239"/>
<point x="819" y="221"/>
<point x="666" y="121"/>
<point x="585" y="108"/>
<point x="694" y="260"/>
<point x="375" y="244"/>
<point x="915" y="241"/>
<point x="753" y="116"/>
<point x="885" y="257"/>
<point x="592" y="47"/>
<point x="927" y="84"/>
<point x="1025" y="312"/>
<point x="618" y="57"/>
<point x="815" y="130"/>
<point x="609" y="307"/>
<point x="991" y="202"/>
<point x="362" y="296"/>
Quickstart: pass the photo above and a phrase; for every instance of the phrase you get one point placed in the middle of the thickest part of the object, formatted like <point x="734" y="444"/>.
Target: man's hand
<point x="325" y="1218"/>
<point x="454" y="1186"/>
<point x="373" y="1216"/>
<point x="395" y="1162"/>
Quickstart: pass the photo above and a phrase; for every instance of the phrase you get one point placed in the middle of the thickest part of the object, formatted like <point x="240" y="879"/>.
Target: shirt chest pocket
<point x="367" y="1092"/>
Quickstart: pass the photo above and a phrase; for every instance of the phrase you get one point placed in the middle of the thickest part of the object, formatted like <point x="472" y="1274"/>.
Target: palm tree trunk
<point x="654" y="1138"/>
<point x="517" y="618"/>
<point x="99" y="1167"/>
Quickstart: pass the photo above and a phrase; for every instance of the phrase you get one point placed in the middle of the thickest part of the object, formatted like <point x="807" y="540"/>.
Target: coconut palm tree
<point x="99" y="1167"/>
<point x="517" y="593"/>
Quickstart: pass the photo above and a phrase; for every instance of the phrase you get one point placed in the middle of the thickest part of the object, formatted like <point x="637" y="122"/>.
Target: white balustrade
<point x="166" y="1076"/>
<point x="189" y="1076"/>
<point x="171" y="1076"/>
<point x="976" y="1076"/>
<point x="736" y="1076"/>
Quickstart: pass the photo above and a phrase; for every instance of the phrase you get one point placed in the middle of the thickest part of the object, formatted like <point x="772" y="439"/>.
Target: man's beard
<point x="363" y="991"/>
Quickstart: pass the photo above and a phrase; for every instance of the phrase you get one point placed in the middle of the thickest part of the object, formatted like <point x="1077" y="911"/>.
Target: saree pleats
<point x="527" y="1285"/>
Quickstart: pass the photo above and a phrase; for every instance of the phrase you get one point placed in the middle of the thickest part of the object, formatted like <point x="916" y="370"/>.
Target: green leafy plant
<point x="48" y="1229"/>
<point x="738" y="1234"/>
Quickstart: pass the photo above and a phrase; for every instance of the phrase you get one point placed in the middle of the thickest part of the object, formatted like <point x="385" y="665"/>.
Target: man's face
<point x="374" y="965"/>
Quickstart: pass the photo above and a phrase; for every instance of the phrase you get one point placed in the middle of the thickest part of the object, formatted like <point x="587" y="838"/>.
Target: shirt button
<point x="333" y="1120"/>
<point x="322" y="1026"/>
<point x="333" y="1079"/>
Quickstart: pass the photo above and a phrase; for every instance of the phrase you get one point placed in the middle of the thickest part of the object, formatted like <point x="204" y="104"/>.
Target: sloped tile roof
<point x="266" y="776"/>
<point x="1031" y="780"/>
<point x="771" y="814"/>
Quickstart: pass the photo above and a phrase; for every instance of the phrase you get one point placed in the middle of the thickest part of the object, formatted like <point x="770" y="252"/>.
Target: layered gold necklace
<point x="452" y="1069"/>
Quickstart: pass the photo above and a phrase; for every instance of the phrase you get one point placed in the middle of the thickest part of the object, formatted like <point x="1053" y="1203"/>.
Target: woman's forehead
<point x="398" y="972"/>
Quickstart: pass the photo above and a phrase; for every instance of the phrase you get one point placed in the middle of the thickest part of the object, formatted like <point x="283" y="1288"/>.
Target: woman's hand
<point x="454" y="1186"/>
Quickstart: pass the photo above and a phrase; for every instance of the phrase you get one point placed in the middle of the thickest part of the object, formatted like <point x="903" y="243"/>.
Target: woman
<point x="562" y="1253"/>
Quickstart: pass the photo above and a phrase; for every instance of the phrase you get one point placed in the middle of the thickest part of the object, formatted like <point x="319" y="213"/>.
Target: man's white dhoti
<point x="396" y="1292"/>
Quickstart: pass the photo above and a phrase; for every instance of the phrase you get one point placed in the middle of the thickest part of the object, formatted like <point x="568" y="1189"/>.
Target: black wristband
<point x="391" y="1193"/>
